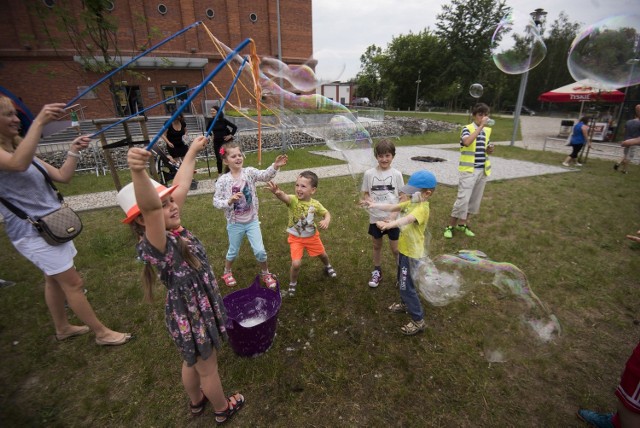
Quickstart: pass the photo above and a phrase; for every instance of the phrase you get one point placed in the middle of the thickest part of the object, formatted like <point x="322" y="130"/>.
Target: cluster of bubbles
<point x="515" y="321"/>
<point x="608" y="52"/>
<point x="517" y="45"/>
<point x="282" y="92"/>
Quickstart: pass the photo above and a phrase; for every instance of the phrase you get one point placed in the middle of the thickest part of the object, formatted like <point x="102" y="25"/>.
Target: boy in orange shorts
<point x="302" y="229"/>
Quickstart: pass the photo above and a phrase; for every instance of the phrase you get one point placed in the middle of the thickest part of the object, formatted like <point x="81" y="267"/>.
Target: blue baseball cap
<point x="419" y="180"/>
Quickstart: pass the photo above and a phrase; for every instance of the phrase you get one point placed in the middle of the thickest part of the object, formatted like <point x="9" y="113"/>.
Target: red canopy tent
<point x="584" y="90"/>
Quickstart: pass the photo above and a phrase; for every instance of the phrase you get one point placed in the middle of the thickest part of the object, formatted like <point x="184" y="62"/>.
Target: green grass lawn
<point x="338" y="358"/>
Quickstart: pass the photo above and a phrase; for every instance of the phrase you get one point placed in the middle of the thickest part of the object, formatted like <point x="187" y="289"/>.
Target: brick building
<point x="39" y="72"/>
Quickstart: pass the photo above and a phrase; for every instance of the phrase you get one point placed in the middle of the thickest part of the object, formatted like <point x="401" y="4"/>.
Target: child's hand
<point x="281" y="161"/>
<point x="323" y="224"/>
<point x="199" y="143"/>
<point x="235" y="198"/>
<point x="366" y="203"/>
<point x="273" y="187"/>
<point x="137" y="158"/>
<point x="635" y="237"/>
<point x="383" y="224"/>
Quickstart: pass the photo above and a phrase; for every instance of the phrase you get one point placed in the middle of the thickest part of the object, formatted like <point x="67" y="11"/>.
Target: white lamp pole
<point x="537" y="15"/>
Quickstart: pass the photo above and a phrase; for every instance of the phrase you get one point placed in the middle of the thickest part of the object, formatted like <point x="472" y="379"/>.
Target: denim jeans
<point x="237" y="232"/>
<point x="408" y="292"/>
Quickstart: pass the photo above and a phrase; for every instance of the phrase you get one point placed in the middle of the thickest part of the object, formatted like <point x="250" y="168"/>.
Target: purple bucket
<point x="252" y="318"/>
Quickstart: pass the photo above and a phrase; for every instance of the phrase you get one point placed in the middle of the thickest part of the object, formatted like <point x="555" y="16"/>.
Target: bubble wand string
<point x="95" y="134"/>
<point x="224" y="101"/>
<point x="131" y="61"/>
<point x="197" y="91"/>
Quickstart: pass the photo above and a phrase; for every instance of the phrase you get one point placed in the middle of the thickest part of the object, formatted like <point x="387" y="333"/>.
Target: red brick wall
<point x="32" y="70"/>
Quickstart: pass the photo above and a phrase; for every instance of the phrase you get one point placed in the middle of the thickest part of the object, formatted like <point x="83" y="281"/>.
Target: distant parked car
<point x="523" y="110"/>
<point x="363" y="101"/>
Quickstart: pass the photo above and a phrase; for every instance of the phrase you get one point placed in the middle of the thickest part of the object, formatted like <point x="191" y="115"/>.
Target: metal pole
<point x="418" y="89"/>
<point x="516" y="112"/>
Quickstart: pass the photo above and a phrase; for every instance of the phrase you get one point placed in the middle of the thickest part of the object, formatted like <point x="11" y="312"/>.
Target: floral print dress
<point x="194" y="312"/>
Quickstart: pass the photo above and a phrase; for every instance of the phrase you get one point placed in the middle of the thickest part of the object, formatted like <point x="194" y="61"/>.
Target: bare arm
<point x="402" y="221"/>
<point x="631" y="142"/>
<point x="147" y="198"/>
<point x="466" y="141"/>
<point x="68" y="168"/>
<point x="324" y="223"/>
<point x="273" y="188"/>
<point x="24" y="153"/>
<point x="185" y="172"/>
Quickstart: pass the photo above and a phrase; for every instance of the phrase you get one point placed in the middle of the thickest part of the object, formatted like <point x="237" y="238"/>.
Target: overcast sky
<point x="343" y="29"/>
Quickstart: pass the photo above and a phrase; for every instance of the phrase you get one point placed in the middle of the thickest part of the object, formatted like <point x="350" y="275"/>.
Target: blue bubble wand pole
<point x="224" y="101"/>
<point x="95" y="134"/>
<point x="131" y="61"/>
<point x="198" y="90"/>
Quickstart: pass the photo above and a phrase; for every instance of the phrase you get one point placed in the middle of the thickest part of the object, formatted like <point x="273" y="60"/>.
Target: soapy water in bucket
<point x="513" y="321"/>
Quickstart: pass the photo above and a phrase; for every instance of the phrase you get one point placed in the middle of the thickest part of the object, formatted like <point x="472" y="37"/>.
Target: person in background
<point x="579" y="137"/>
<point x="382" y="184"/>
<point x="631" y="132"/>
<point x="22" y="184"/>
<point x="173" y="138"/>
<point x="473" y="170"/>
<point x="223" y="132"/>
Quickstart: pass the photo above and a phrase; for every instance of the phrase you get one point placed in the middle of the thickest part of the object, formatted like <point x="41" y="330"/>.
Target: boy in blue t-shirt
<point x="414" y="215"/>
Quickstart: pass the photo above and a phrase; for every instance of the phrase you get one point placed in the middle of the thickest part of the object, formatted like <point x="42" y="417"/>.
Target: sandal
<point x="198" y="409"/>
<point x="269" y="280"/>
<point x="413" y="327"/>
<point x="232" y="408"/>
<point x="330" y="271"/>
<point x="229" y="280"/>
<point x="398" y="308"/>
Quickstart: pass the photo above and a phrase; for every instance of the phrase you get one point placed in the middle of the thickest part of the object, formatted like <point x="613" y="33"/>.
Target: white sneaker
<point x="565" y="164"/>
<point x="376" y="277"/>
<point x="578" y="164"/>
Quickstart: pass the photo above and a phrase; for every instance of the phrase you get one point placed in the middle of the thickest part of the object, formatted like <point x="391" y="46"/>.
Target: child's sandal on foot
<point x="330" y="271"/>
<point x="397" y="308"/>
<point x="234" y="404"/>
<point x="198" y="409"/>
<point x="229" y="280"/>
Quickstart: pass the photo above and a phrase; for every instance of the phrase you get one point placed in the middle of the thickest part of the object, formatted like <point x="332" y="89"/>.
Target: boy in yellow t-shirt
<point x="414" y="215"/>
<point x="303" y="232"/>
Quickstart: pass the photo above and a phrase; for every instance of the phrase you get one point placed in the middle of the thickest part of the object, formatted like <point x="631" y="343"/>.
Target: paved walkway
<point x="534" y="129"/>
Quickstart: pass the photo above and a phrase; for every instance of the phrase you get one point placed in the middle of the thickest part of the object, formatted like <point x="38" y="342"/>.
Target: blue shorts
<point x="393" y="234"/>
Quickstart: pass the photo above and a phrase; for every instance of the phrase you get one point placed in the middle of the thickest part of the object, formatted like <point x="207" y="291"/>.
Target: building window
<point x="210" y="13"/>
<point x="162" y="9"/>
<point x="253" y="17"/>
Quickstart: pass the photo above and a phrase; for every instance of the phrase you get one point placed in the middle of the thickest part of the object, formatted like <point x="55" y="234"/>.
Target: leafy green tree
<point x="466" y="29"/>
<point x="369" y="79"/>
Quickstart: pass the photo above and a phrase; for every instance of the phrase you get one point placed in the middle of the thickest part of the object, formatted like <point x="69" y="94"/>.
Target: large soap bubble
<point x="476" y="90"/>
<point x="516" y="45"/>
<point x="513" y="320"/>
<point x="608" y="52"/>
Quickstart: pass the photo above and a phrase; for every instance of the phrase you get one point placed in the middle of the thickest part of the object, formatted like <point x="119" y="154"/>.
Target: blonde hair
<point x="7" y="105"/>
<point x="148" y="274"/>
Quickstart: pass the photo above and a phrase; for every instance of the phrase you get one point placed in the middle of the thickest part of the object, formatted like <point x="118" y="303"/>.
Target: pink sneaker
<point x="229" y="280"/>
<point x="269" y="280"/>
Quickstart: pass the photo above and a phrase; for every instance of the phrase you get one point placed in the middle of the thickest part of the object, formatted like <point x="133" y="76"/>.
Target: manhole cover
<point x="428" y="159"/>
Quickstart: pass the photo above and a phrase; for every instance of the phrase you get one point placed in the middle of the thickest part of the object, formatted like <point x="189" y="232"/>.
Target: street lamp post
<point x="417" y="89"/>
<point x="537" y="15"/>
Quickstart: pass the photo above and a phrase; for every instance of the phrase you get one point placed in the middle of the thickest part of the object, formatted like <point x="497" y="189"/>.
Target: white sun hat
<point x="126" y="198"/>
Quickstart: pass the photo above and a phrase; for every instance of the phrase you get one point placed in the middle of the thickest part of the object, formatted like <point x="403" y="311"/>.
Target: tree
<point x="369" y="80"/>
<point x="89" y="32"/>
<point x="466" y="28"/>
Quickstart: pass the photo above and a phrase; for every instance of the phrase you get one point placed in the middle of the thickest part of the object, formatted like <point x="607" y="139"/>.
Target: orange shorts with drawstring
<point x="312" y="244"/>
